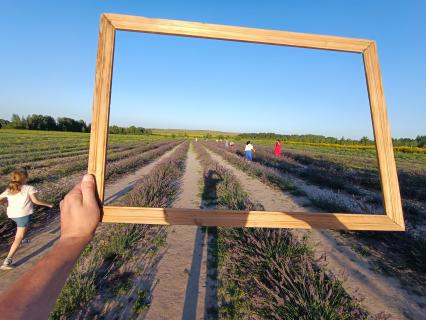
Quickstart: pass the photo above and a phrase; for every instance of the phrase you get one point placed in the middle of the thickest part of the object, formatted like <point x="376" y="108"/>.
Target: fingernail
<point x="88" y="178"/>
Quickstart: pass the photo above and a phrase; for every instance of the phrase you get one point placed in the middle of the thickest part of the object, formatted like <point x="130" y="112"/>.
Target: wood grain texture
<point x="223" y="32"/>
<point x="382" y="134"/>
<point x="227" y="218"/>
<point x="392" y="221"/>
<point x="101" y="104"/>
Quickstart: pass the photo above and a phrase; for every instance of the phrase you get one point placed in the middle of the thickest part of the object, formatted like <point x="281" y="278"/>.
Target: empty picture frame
<point x="393" y="220"/>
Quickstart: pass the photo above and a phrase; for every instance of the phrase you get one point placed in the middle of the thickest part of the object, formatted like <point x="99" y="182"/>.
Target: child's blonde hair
<point x="17" y="179"/>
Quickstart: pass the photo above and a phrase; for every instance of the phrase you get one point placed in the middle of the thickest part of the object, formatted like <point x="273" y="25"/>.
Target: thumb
<point x="88" y="189"/>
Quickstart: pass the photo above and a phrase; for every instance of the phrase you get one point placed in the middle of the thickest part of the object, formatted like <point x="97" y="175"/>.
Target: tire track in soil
<point x="42" y="241"/>
<point x="381" y="293"/>
<point x="182" y="285"/>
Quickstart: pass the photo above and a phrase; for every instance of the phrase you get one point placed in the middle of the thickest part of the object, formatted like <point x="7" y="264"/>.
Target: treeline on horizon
<point x="419" y="141"/>
<point x="42" y="122"/>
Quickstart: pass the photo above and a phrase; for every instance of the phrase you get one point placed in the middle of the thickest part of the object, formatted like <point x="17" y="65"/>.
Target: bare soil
<point x="183" y="289"/>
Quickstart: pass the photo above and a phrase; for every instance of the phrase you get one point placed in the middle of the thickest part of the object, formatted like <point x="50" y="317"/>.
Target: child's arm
<point x="39" y="202"/>
<point x="34" y="294"/>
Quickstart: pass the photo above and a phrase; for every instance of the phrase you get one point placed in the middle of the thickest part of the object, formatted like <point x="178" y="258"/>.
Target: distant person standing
<point x="277" y="149"/>
<point x="226" y="144"/>
<point x="249" y="149"/>
<point x="20" y="198"/>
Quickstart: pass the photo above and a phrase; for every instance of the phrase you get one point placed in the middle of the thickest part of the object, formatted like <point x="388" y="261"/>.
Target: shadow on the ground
<point x="129" y="187"/>
<point x="204" y="237"/>
<point x="211" y="298"/>
<point x="193" y="283"/>
<point x="36" y="252"/>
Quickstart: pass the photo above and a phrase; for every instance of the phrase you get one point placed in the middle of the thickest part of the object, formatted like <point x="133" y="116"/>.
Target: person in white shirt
<point x="249" y="149"/>
<point x="20" y="199"/>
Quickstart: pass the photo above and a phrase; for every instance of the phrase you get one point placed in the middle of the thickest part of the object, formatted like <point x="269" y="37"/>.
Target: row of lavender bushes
<point x="268" y="273"/>
<point x="336" y="174"/>
<point x="38" y="153"/>
<point x="55" y="168"/>
<point x="116" y="160"/>
<point x="326" y="173"/>
<point x="142" y="158"/>
<point x="412" y="184"/>
<point x="163" y="182"/>
<point x="264" y="174"/>
<point x="54" y="191"/>
<point x="328" y="200"/>
<point x="98" y="276"/>
<point x="221" y="188"/>
<point x="50" y="158"/>
<point x="408" y="248"/>
<point x="324" y="193"/>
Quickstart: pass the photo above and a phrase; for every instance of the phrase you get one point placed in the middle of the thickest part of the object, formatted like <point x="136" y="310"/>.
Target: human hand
<point x="80" y="211"/>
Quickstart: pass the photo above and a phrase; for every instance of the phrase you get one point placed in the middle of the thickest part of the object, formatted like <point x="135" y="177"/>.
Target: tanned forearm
<point x="39" y="202"/>
<point x="34" y="294"/>
<point x="45" y="204"/>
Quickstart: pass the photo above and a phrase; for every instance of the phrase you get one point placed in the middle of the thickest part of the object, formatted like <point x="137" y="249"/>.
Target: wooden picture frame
<point x="392" y="220"/>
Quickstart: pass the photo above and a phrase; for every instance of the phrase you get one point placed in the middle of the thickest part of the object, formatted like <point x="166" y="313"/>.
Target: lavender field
<point x="249" y="273"/>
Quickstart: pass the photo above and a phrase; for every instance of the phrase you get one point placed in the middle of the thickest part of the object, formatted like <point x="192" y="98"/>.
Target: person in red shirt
<point x="277" y="150"/>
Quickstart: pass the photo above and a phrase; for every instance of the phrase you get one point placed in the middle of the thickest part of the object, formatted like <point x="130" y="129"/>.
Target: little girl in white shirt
<point x="20" y="198"/>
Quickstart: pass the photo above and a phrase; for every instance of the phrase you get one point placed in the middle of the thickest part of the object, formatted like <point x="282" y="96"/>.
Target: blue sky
<point x="48" y="54"/>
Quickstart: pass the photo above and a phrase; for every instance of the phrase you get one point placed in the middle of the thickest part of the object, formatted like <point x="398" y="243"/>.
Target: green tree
<point x="68" y="124"/>
<point x="4" y="123"/>
<point x="40" y="122"/>
<point x="421" y="141"/>
<point x="365" y="141"/>
<point x="130" y="130"/>
<point x="17" y="123"/>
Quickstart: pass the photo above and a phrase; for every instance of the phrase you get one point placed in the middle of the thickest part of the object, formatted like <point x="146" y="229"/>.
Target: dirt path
<point x="43" y="240"/>
<point x="183" y="290"/>
<point x="381" y="293"/>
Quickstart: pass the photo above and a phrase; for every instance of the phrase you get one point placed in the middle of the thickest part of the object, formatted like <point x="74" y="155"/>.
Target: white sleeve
<point x="32" y="190"/>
